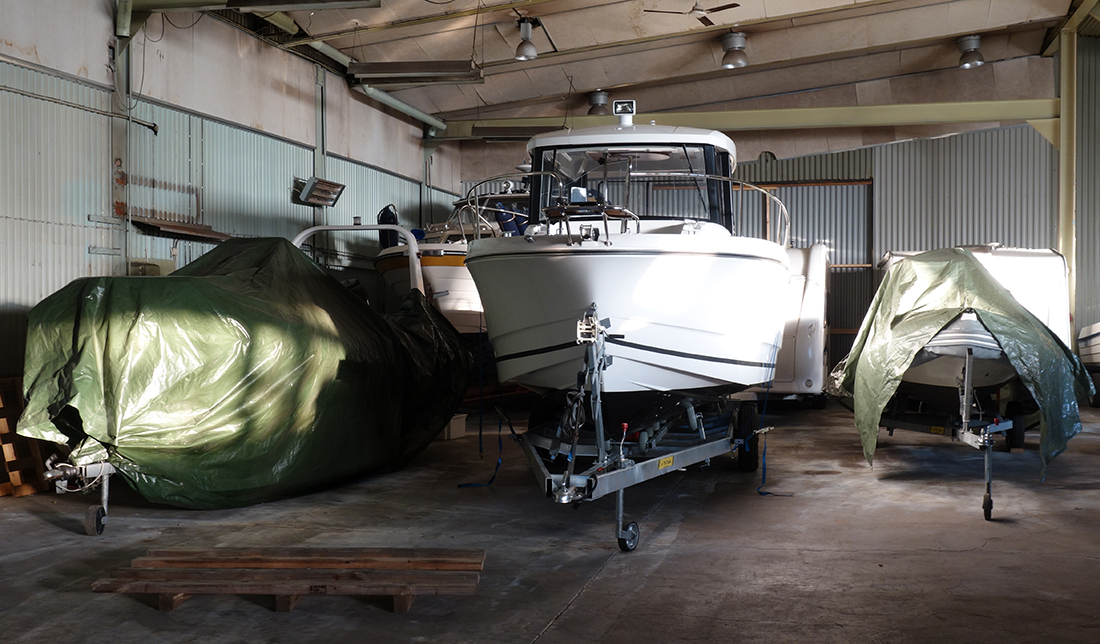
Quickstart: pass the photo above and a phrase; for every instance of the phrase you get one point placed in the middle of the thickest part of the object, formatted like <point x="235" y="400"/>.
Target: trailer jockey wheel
<point x="94" y="520"/>
<point x="987" y="506"/>
<point x="628" y="540"/>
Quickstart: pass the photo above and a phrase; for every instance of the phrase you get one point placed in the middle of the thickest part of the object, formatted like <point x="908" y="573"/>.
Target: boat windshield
<point x="652" y="181"/>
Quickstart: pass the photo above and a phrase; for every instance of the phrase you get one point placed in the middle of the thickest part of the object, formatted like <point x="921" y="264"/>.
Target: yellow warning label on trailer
<point x="937" y="430"/>
<point x="664" y="463"/>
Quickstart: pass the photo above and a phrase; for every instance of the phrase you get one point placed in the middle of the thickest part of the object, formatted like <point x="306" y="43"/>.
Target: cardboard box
<point x="454" y="429"/>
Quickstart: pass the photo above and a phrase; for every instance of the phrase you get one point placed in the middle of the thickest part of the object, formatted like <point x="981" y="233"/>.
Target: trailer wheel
<point x="629" y="542"/>
<point x="987" y="506"/>
<point x="748" y="454"/>
<point x="1015" y="436"/>
<point x="94" y="520"/>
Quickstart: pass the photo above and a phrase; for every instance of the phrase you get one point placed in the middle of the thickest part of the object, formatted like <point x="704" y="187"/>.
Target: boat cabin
<point x="651" y="171"/>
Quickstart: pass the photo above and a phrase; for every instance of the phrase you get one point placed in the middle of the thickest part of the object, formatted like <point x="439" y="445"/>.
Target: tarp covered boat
<point x="245" y="376"/>
<point x="921" y="295"/>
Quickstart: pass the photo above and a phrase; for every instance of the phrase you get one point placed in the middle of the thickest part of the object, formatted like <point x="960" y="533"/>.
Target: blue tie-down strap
<point x="501" y="419"/>
<point x="764" y="470"/>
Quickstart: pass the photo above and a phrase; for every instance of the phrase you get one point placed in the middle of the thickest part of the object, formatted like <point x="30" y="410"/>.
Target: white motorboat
<point x="635" y="219"/>
<point x="802" y="363"/>
<point x="443" y="254"/>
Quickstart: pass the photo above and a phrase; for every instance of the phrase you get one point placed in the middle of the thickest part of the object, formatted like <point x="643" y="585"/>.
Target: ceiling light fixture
<point x="734" y="46"/>
<point x="598" y="101"/>
<point x="970" y="48"/>
<point x="526" y="49"/>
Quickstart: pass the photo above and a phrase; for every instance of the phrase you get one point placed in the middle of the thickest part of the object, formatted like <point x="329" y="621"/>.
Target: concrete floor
<point x="840" y="552"/>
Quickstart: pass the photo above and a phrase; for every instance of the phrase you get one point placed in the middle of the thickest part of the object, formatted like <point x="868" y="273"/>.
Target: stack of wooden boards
<point x="23" y="465"/>
<point x="290" y="573"/>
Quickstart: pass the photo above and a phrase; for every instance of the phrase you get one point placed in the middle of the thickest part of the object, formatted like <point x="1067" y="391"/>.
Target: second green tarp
<point x="922" y="294"/>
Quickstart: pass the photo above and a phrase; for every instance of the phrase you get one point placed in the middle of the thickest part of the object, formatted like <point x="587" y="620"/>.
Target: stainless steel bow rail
<point x="614" y="464"/>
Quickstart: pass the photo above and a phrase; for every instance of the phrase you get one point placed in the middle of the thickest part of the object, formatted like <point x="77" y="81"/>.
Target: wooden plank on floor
<point x="424" y="581"/>
<point x="290" y="573"/>
<point x="316" y="558"/>
<point x="270" y="587"/>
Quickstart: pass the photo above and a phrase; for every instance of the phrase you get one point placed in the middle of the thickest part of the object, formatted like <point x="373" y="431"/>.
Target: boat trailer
<point x="665" y="446"/>
<point x="974" y="430"/>
<point x="67" y="477"/>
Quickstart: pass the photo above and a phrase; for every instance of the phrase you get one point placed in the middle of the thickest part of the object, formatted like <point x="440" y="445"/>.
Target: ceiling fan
<point x="698" y="11"/>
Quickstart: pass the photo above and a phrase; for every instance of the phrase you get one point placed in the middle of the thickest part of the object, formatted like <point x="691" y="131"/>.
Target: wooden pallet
<point x="23" y="465"/>
<point x="290" y="573"/>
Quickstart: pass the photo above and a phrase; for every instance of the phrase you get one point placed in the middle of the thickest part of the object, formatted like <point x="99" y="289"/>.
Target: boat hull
<point x="941" y="362"/>
<point x="448" y="282"/>
<point x="686" y="312"/>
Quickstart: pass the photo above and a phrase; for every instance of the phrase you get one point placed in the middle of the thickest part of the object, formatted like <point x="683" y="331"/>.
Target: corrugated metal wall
<point x="55" y="162"/>
<point x="852" y="165"/>
<point x="368" y="191"/>
<point x="56" y="218"/>
<point x="837" y="215"/>
<point x="991" y="186"/>
<point x="165" y="181"/>
<point x="247" y="179"/>
<point x="1088" y="182"/>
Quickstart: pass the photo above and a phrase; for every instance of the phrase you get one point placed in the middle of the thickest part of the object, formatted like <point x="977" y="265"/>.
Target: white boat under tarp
<point x="922" y="294"/>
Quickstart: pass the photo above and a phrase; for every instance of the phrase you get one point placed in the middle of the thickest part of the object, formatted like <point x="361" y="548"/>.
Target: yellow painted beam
<point x="793" y="118"/>
<point x="1071" y="22"/>
<point x="1067" y="167"/>
<point x="1048" y="128"/>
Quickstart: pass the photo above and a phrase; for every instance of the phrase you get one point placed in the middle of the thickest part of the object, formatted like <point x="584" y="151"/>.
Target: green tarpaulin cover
<point x="922" y="294"/>
<point x="245" y="376"/>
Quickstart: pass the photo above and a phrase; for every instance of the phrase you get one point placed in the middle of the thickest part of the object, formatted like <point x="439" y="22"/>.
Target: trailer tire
<point x="748" y="453"/>
<point x="987" y="506"/>
<point x="1015" y="436"/>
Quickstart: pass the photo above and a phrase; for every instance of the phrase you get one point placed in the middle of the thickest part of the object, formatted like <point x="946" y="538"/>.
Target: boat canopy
<point x="919" y="296"/>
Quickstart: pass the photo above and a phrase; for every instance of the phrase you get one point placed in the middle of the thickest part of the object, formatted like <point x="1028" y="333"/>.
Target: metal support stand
<point x="983" y="439"/>
<point x="628" y="538"/>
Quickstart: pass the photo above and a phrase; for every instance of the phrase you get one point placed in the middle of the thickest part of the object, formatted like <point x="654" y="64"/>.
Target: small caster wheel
<point x="987" y="506"/>
<point x="94" y="520"/>
<point x="629" y="542"/>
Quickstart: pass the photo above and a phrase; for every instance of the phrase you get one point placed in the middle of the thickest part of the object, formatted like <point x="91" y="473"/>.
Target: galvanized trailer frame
<point x="976" y="432"/>
<point x="618" y="465"/>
